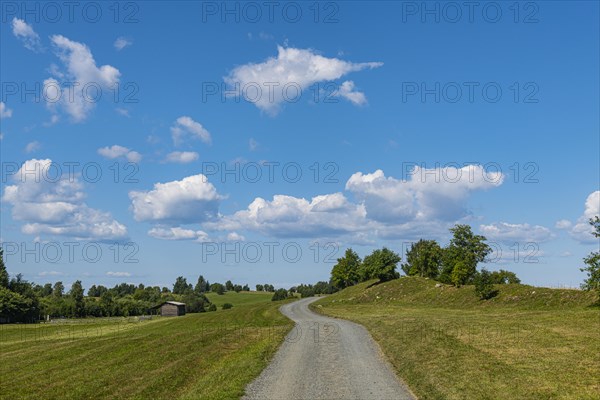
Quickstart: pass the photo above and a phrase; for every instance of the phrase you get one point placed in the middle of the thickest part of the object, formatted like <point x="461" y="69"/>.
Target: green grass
<point x="527" y="343"/>
<point x="198" y="356"/>
<point x="239" y="299"/>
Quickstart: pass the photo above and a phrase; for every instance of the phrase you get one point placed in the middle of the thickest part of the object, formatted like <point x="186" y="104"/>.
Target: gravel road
<point x="326" y="358"/>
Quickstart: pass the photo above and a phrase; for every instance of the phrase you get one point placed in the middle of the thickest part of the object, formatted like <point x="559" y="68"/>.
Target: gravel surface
<point x="326" y="358"/>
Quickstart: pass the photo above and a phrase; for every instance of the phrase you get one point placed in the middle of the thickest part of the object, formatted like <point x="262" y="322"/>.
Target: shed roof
<point x="175" y="303"/>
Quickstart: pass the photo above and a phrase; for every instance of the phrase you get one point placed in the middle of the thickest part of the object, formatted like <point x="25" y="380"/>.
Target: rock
<point x="438" y="285"/>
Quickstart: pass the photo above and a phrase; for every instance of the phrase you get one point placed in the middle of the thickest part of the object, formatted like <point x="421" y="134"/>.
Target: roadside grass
<point x="210" y="355"/>
<point x="527" y="343"/>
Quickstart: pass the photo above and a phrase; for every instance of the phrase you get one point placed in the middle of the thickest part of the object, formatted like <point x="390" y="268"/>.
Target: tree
<point x="201" y="285"/>
<point x="3" y="271"/>
<point x="423" y="259"/>
<point x="246" y="288"/>
<point x="280" y="294"/>
<point x="503" y="277"/>
<point x="13" y="306"/>
<point x="483" y="285"/>
<point x="227" y="306"/>
<point x="380" y="264"/>
<point x="269" y="288"/>
<point x="592" y="262"/>
<point x="181" y="286"/>
<point x="229" y="286"/>
<point x="58" y="289"/>
<point x="107" y="304"/>
<point x="237" y="288"/>
<point x="259" y="288"/>
<point x="346" y="272"/>
<point x="464" y="252"/>
<point x="218" y="288"/>
<point x="76" y="294"/>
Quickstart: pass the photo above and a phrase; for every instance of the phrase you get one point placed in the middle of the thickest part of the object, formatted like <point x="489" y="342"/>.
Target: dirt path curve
<point x="326" y="358"/>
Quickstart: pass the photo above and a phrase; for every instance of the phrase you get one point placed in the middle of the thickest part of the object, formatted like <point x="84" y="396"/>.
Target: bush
<point x="483" y="285"/>
<point x="212" y="307"/>
<point x="280" y="294"/>
<point x="227" y="306"/>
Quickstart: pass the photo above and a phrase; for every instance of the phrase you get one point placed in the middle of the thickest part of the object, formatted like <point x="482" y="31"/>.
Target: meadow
<point x="445" y="343"/>
<point x="209" y="355"/>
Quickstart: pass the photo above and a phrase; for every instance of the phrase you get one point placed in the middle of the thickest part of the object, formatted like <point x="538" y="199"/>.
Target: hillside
<point x="422" y="291"/>
<point x="527" y="343"/>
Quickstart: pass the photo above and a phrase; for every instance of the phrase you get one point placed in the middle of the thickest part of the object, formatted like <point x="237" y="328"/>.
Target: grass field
<point x="528" y="343"/>
<point x="239" y="299"/>
<point x="197" y="356"/>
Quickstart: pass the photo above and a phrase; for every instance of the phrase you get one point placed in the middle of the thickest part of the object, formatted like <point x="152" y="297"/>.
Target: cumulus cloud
<point x="182" y="157"/>
<point x="5" y="112"/>
<point x="437" y="193"/>
<point x="190" y="200"/>
<point x="582" y="230"/>
<point x="25" y="33"/>
<point x="117" y="151"/>
<point x="346" y="91"/>
<point x="186" y="127"/>
<point x="563" y="224"/>
<point x="54" y="205"/>
<point x="521" y="233"/>
<point x="80" y="68"/>
<point x="122" y="42"/>
<point x="288" y="216"/>
<point x="33" y="146"/>
<point x="178" y="233"/>
<point x="277" y="79"/>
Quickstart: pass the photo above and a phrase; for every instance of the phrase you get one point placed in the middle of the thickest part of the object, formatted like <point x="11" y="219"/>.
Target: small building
<point x="171" y="309"/>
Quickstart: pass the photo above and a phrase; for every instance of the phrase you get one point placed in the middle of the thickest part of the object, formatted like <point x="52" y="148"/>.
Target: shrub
<point x="227" y="306"/>
<point x="483" y="285"/>
<point x="212" y="307"/>
<point x="280" y="294"/>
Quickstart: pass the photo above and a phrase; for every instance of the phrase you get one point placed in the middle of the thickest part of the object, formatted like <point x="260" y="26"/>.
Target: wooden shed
<point x="171" y="309"/>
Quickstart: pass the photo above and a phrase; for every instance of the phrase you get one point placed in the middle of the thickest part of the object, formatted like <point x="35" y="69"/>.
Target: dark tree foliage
<point x="423" y="259"/>
<point x="484" y="288"/>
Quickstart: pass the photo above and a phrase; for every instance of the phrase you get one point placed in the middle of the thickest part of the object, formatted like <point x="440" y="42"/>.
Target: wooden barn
<point x="171" y="309"/>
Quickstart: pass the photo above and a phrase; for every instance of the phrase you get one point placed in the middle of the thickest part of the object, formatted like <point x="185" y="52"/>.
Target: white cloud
<point x="186" y="126"/>
<point x="182" y="157"/>
<point x="5" y="112"/>
<point x="437" y="193"/>
<point x="190" y="200"/>
<point x="346" y="90"/>
<point x="82" y="70"/>
<point x="33" y="146"/>
<point x="177" y="233"/>
<point x="582" y="230"/>
<point x="118" y="274"/>
<point x="122" y="42"/>
<point x="235" y="237"/>
<point x="50" y="273"/>
<point x="279" y="77"/>
<point x="122" y="111"/>
<point x="252" y="144"/>
<point x="24" y="32"/>
<point x="563" y="224"/>
<point x="520" y="233"/>
<point x="288" y="216"/>
<point x="54" y="205"/>
<point x="117" y="151"/>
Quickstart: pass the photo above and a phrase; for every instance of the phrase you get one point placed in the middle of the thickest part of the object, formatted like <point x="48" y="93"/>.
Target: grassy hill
<point x="528" y="342"/>
<point x="239" y="299"/>
<point x="198" y="356"/>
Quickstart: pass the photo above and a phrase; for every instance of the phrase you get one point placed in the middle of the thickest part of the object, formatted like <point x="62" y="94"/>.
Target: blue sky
<point x="498" y="112"/>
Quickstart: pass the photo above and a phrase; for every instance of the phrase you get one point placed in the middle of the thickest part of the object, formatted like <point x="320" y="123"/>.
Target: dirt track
<point x="326" y="358"/>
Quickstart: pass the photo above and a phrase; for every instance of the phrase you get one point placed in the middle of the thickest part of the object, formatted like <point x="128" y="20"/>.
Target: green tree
<point x="3" y="271"/>
<point x="181" y="286"/>
<point x="13" y="306"/>
<point x="246" y="288"/>
<point x="58" y="289"/>
<point x="346" y="272"/>
<point x="217" y="288"/>
<point x="380" y="264"/>
<point x="464" y="252"/>
<point x="229" y="286"/>
<point x="592" y="262"/>
<point x="503" y="277"/>
<point x="280" y="294"/>
<point x="484" y="287"/>
<point x="76" y="294"/>
<point x="423" y="259"/>
<point x="201" y="285"/>
<point x="259" y="288"/>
